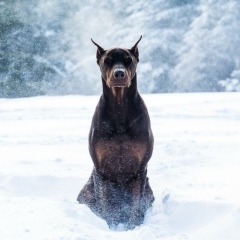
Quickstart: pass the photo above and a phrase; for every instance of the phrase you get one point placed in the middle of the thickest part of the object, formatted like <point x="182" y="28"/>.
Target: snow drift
<point x="194" y="171"/>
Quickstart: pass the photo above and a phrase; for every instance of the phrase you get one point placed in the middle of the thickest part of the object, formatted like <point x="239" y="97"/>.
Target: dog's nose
<point x="119" y="73"/>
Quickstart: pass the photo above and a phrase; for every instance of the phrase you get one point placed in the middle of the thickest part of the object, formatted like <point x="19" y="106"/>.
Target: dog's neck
<point x="118" y="102"/>
<point x="120" y="96"/>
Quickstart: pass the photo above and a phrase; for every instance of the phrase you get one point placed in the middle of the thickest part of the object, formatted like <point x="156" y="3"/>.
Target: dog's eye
<point x="128" y="60"/>
<point x="108" y="61"/>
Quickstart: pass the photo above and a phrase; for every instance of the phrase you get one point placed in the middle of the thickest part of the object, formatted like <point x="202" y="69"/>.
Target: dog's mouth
<point x="120" y="84"/>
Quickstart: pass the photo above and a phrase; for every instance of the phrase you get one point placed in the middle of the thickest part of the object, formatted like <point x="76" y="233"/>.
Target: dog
<point x="120" y="143"/>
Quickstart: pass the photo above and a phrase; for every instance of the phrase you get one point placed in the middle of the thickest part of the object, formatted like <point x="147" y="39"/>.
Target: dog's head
<point x="118" y="65"/>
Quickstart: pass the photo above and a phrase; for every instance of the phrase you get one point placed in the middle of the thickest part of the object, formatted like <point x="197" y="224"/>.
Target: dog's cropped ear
<point x="134" y="49"/>
<point x="100" y="51"/>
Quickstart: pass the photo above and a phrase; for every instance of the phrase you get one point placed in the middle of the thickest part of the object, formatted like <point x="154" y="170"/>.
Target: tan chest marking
<point x="104" y="149"/>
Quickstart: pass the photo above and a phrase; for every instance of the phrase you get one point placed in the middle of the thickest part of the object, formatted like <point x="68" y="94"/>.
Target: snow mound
<point x="194" y="171"/>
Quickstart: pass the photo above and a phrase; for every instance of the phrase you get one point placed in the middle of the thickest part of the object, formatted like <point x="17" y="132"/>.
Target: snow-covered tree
<point x="45" y="45"/>
<point x="210" y="48"/>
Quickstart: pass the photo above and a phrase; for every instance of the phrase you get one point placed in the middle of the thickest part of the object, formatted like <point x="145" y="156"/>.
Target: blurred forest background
<point x="187" y="46"/>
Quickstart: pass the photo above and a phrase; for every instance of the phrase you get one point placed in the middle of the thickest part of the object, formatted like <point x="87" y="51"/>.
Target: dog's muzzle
<point x="119" y="78"/>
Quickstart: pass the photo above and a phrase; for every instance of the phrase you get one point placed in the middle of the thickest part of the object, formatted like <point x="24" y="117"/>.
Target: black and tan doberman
<point x="120" y="143"/>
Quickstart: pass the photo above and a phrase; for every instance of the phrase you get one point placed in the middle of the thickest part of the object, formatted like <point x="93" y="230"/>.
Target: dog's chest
<point x="120" y="147"/>
<point x="119" y="157"/>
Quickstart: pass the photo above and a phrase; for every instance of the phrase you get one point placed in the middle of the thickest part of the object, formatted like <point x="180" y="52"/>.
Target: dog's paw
<point x="136" y="219"/>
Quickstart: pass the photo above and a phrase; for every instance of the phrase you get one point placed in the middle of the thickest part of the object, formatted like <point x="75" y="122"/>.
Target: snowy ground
<point x="194" y="171"/>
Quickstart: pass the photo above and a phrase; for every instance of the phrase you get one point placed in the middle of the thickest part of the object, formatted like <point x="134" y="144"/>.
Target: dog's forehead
<point x="117" y="52"/>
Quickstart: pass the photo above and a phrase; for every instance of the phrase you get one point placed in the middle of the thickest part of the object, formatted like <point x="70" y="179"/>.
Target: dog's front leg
<point x="101" y="195"/>
<point x="137" y="210"/>
<point x="107" y="199"/>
